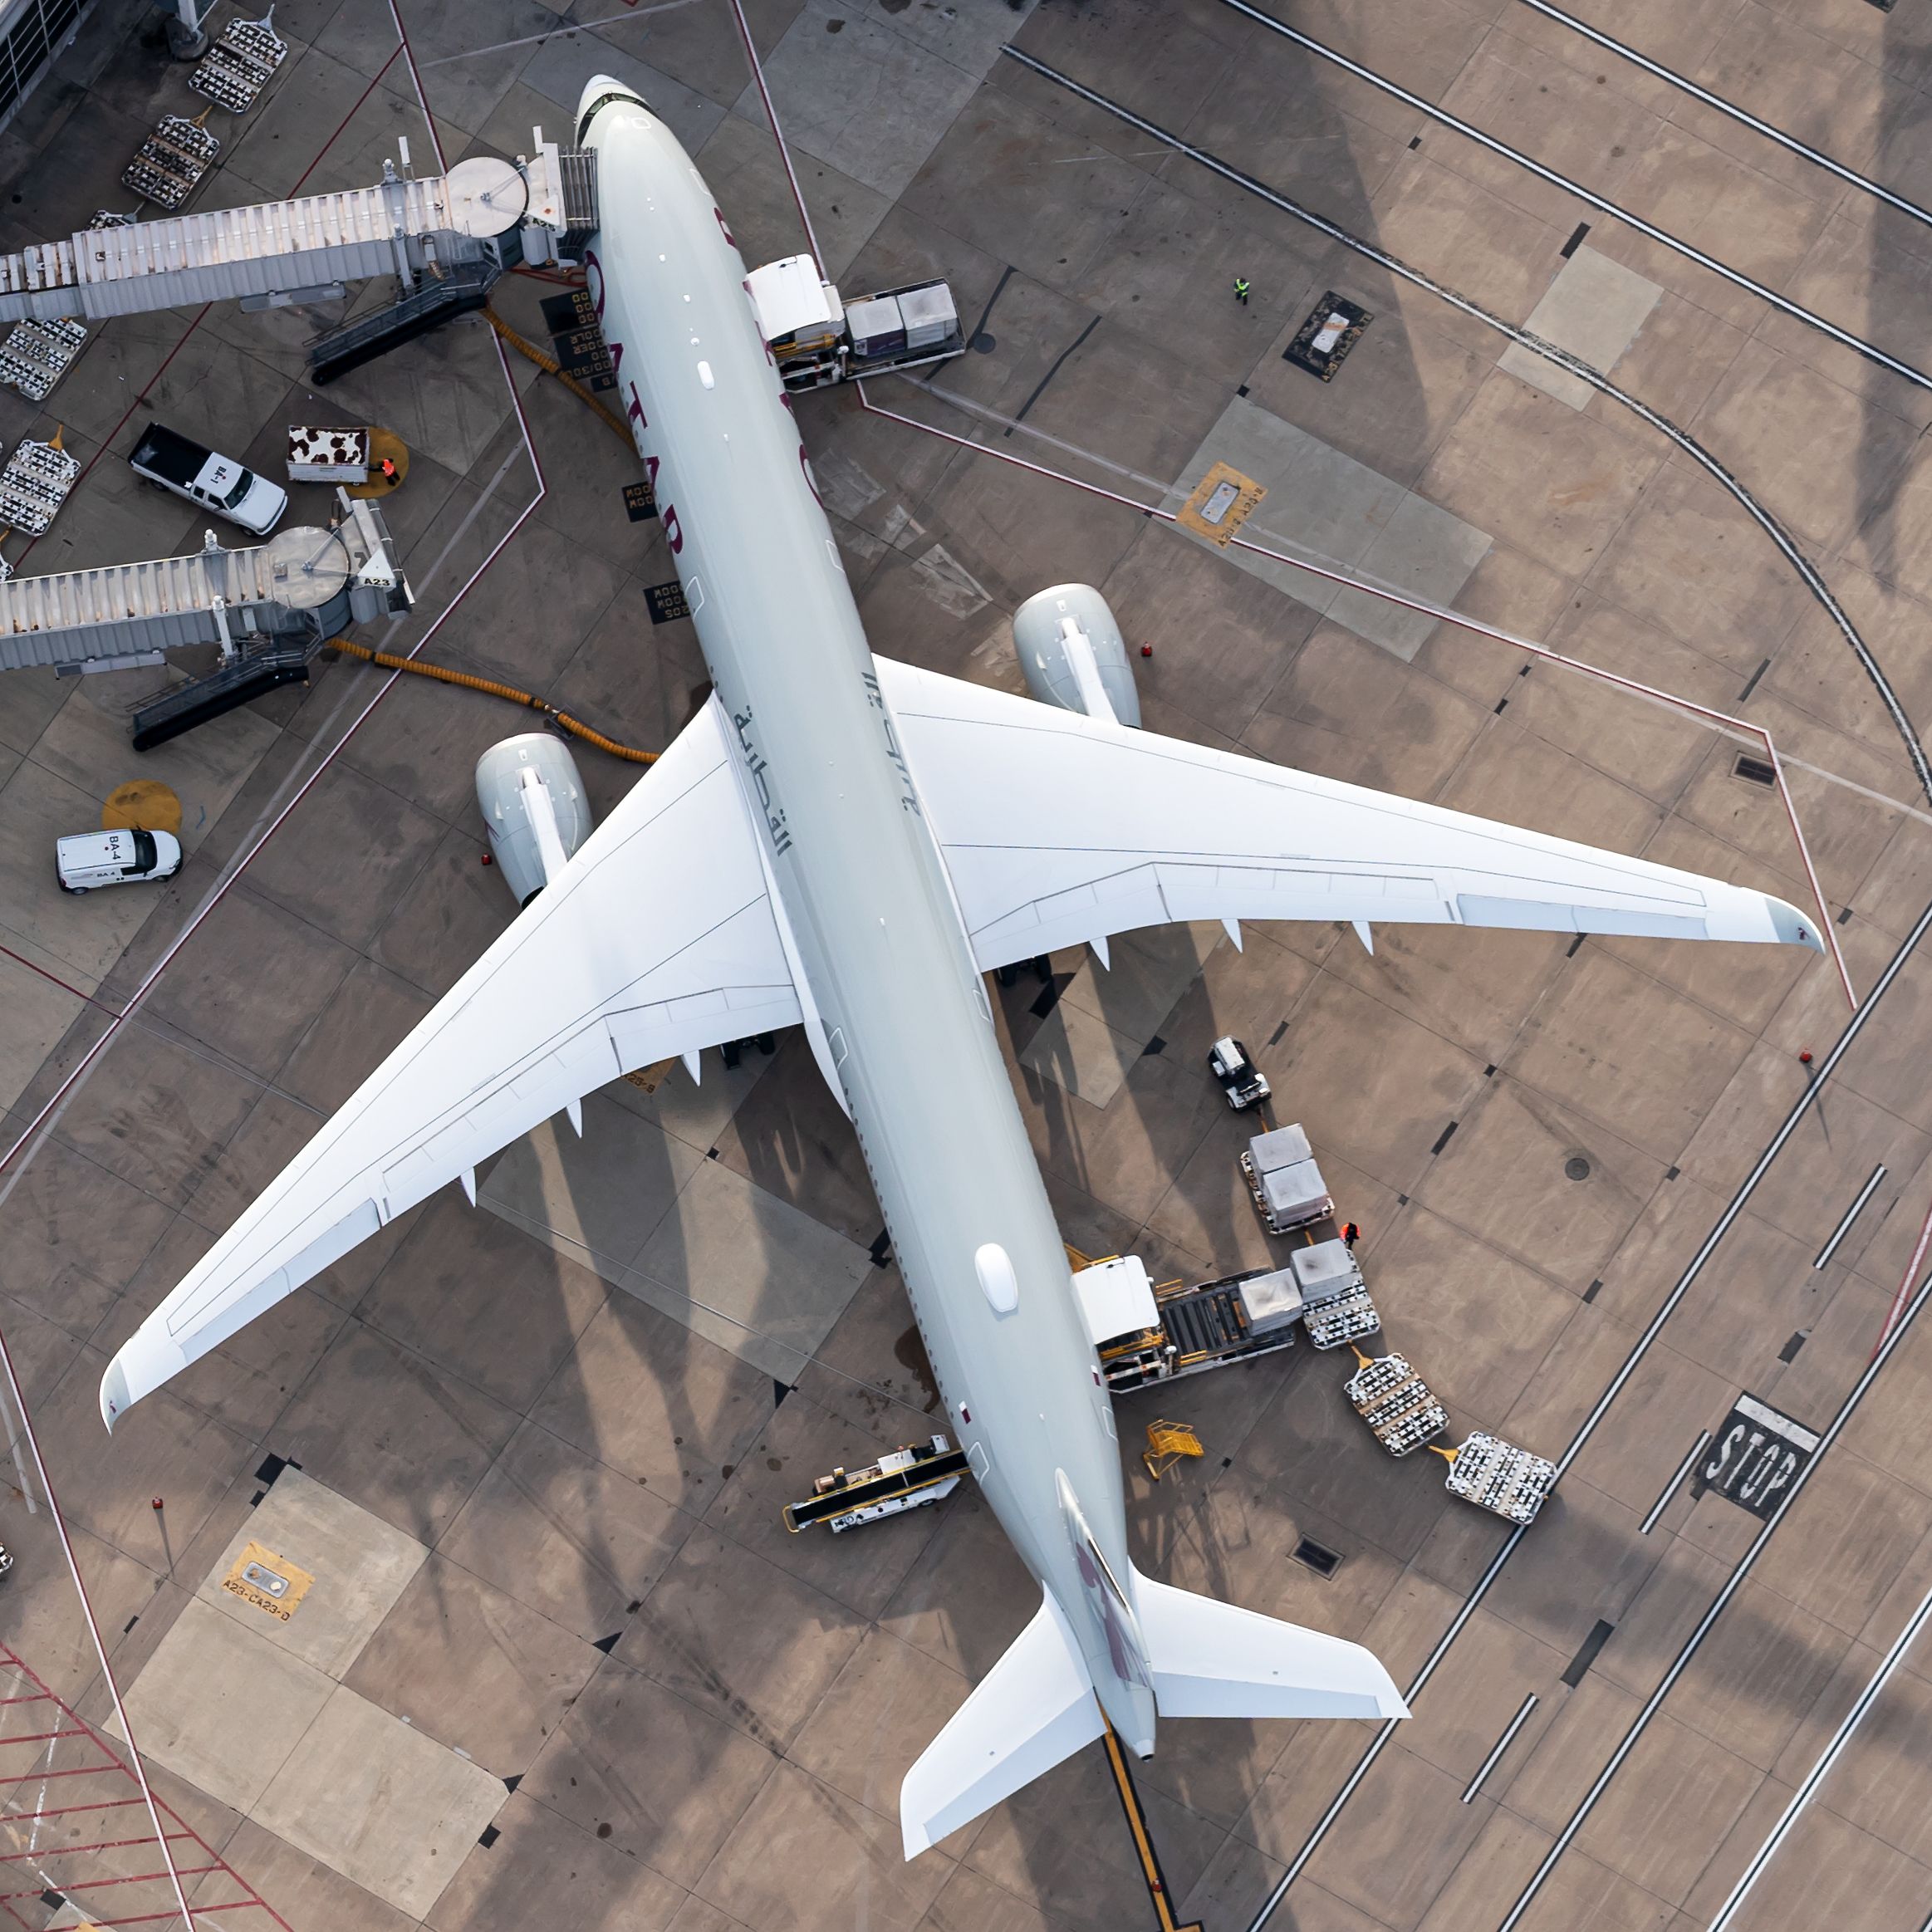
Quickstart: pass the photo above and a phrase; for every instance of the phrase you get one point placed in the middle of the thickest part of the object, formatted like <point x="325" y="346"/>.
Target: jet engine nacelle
<point x="534" y="810"/>
<point x="1073" y="655"/>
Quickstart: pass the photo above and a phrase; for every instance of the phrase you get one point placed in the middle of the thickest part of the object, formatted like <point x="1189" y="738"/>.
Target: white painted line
<point x="1807" y="1791"/>
<point x="1502" y="1744"/>
<point x="1844" y="1226"/>
<point x="1738" y="114"/>
<point x="1663" y="238"/>
<point x="1733" y="1584"/>
<point x="557" y="32"/>
<point x="1697" y="1449"/>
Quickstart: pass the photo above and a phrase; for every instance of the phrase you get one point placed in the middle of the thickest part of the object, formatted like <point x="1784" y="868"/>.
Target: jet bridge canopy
<point x="298" y="589"/>
<point x="483" y="209"/>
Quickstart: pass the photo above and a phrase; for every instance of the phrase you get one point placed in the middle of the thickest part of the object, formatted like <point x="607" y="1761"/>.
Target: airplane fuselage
<point x="896" y="1006"/>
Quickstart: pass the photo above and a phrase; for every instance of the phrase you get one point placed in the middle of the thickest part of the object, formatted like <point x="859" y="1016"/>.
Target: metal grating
<point x="77" y="1846"/>
<point x="578" y="168"/>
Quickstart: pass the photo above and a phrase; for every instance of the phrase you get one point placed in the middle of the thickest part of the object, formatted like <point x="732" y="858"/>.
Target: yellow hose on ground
<point x="548" y="364"/>
<point x="442" y="675"/>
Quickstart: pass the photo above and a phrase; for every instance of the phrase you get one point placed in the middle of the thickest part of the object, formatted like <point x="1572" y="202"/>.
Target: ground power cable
<point x="550" y="366"/>
<point x="1736" y="278"/>
<point x="1742" y="116"/>
<point x="1550" y="352"/>
<point x="468" y="681"/>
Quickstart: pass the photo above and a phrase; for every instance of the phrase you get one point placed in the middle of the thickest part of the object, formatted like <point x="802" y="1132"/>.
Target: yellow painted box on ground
<point x="270" y="1582"/>
<point x="1222" y="501"/>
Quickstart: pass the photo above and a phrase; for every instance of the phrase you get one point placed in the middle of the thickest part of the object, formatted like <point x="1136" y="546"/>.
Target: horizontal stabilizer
<point x="1034" y="1708"/>
<point x="1214" y="1660"/>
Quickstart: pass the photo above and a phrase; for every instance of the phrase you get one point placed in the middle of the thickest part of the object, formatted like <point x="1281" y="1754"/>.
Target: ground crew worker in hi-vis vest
<point x="1241" y="290"/>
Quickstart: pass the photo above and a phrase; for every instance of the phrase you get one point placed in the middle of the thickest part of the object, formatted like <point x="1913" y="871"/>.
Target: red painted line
<point x="101" y="1885"/>
<point x="78" y="1771"/>
<point x="409" y="54"/>
<point x="105" y="1804"/>
<point x="154" y="1806"/>
<point x="322" y="151"/>
<point x="203" y="1911"/>
<point x="89" y="998"/>
<point x="139" y="402"/>
<point x="50" y="1851"/>
<point x="1899" y="1300"/>
<point x="777" y="133"/>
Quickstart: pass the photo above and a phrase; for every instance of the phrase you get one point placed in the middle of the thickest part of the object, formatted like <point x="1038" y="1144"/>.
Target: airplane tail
<point x="1212" y="1659"/>
<point x="1036" y="1706"/>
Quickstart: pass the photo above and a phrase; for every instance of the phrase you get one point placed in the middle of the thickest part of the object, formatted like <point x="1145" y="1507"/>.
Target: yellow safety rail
<point x="1167" y="1444"/>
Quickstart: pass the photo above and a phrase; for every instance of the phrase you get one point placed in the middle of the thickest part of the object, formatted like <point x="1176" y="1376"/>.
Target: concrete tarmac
<point x="562" y="1660"/>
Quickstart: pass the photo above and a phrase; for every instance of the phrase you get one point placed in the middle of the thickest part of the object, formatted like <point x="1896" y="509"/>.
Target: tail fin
<point x="1036" y="1705"/>
<point x="1034" y="1708"/>
<point x="1214" y="1660"/>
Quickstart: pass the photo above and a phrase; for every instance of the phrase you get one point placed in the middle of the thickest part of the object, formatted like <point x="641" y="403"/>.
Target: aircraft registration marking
<point x="269" y="1582"/>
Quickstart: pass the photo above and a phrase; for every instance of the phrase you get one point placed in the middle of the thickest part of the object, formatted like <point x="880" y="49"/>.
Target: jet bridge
<point x="484" y="211"/>
<point x="269" y="610"/>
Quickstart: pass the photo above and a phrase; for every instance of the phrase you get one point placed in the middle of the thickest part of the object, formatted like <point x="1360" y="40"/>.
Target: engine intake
<point x="1072" y="654"/>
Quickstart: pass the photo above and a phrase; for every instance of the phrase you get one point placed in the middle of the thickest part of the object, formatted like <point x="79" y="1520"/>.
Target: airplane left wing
<point x="658" y="939"/>
<point x="1059" y="829"/>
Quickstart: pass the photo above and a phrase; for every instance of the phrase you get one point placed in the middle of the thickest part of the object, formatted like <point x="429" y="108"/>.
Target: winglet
<point x="1792" y="927"/>
<point x="114" y="1395"/>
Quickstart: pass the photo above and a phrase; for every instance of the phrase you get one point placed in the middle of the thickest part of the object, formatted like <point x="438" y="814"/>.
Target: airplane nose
<point x="594" y="89"/>
<point x="599" y="88"/>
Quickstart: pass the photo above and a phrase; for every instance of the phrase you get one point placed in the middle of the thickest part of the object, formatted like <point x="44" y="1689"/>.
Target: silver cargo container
<point x="929" y="314"/>
<point x="1271" y="1301"/>
<point x="876" y="327"/>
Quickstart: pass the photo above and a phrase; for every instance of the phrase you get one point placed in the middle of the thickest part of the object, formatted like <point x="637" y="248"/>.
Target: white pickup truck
<point x="172" y="462"/>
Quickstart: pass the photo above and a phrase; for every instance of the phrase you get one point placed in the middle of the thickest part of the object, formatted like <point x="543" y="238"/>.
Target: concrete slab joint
<point x="1340" y="512"/>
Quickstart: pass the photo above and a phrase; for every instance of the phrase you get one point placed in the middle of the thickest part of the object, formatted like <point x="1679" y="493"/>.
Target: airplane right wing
<point x="658" y="939"/>
<point x="1058" y="829"/>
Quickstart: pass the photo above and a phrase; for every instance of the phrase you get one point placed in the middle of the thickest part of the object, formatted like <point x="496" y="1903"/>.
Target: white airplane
<point x="846" y="844"/>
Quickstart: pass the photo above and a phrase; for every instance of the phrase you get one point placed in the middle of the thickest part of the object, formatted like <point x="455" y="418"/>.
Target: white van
<point x="172" y="462"/>
<point x="114" y="858"/>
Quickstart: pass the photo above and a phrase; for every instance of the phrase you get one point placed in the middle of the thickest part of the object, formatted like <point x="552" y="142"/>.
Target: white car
<point x="114" y="858"/>
<point x="173" y="462"/>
